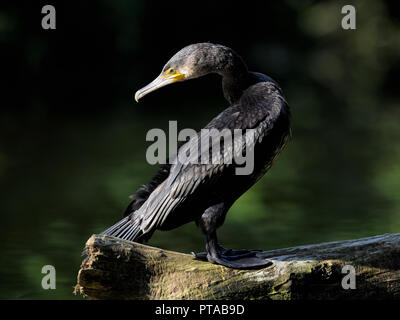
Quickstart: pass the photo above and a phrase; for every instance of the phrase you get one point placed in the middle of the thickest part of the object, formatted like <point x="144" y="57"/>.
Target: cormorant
<point x="183" y="192"/>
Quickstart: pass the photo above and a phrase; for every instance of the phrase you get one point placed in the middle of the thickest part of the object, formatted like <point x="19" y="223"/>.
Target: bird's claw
<point x="237" y="259"/>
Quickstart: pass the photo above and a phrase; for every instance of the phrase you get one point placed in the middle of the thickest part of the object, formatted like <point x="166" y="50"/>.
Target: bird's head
<point x="191" y="62"/>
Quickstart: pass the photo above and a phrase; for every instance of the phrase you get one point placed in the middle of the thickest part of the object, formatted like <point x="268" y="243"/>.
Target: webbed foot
<point x="237" y="259"/>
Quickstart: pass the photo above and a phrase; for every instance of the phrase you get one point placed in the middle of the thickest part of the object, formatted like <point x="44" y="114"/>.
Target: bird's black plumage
<point x="183" y="192"/>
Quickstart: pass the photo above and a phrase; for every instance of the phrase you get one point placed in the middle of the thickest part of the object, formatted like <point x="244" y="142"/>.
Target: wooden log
<point x="118" y="269"/>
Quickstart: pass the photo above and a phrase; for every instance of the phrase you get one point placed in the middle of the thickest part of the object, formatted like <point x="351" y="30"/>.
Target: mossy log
<point x="118" y="269"/>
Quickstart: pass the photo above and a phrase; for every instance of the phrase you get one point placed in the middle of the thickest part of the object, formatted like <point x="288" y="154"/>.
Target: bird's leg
<point x="210" y="220"/>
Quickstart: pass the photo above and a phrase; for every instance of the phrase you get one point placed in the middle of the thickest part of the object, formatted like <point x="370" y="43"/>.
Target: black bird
<point x="183" y="192"/>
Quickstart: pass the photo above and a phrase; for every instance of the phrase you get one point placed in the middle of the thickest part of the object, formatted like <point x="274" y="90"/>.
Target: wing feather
<point x="185" y="178"/>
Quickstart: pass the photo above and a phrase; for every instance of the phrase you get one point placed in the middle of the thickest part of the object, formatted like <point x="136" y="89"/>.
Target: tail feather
<point x="128" y="229"/>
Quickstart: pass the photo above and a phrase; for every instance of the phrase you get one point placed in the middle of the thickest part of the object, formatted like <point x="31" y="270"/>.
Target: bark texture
<point x="118" y="269"/>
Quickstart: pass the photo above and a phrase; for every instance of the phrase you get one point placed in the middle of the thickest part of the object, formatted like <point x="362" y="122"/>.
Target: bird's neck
<point x="234" y="85"/>
<point x="235" y="77"/>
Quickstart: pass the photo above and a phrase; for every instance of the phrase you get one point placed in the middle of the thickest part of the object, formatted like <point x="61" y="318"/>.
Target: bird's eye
<point x="170" y="71"/>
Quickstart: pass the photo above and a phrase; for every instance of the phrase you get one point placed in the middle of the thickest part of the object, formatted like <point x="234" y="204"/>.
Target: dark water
<point x="65" y="179"/>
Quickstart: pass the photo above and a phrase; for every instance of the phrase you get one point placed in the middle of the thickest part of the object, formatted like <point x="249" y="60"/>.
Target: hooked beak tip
<point x="137" y="96"/>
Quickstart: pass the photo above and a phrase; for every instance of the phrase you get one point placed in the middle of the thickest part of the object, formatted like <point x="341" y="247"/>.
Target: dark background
<point x="72" y="139"/>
